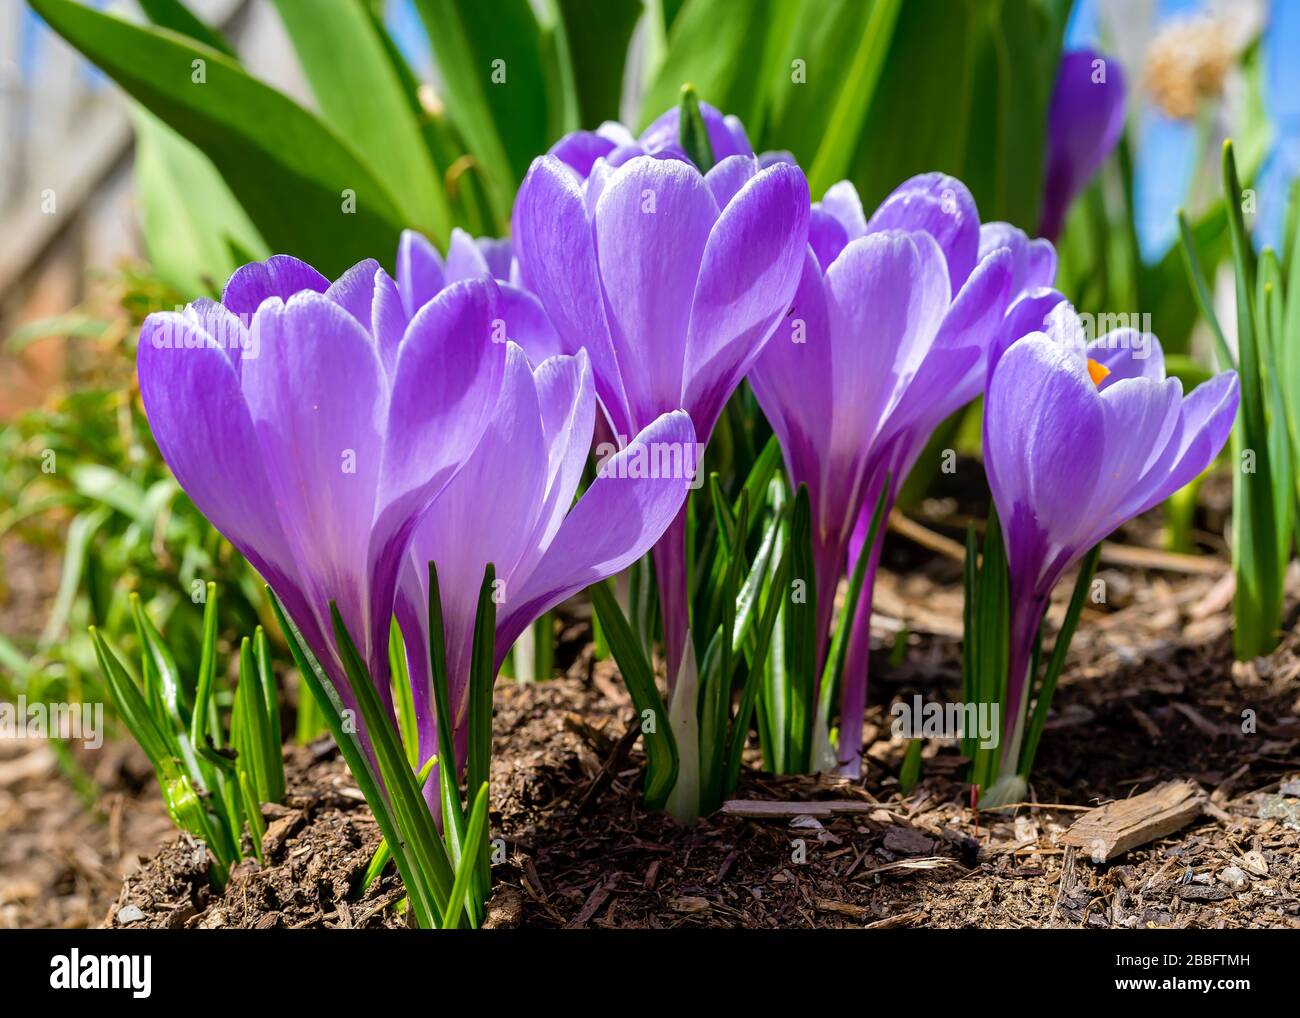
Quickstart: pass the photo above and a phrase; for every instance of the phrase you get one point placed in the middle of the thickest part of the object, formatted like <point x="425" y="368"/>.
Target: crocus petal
<point x="567" y="395"/>
<point x="388" y="319"/>
<point x="200" y="421"/>
<point x="445" y="386"/>
<point x="841" y="203"/>
<point x="890" y="289"/>
<point x="1140" y="416"/>
<point x="748" y="276"/>
<point x="793" y="377"/>
<point x="1127" y="353"/>
<point x="527" y="324"/>
<point x="556" y="248"/>
<point x="1033" y="262"/>
<point x="1207" y="416"/>
<point x="952" y="372"/>
<point x="1042" y="420"/>
<point x="279" y="276"/>
<point x="318" y="400"/>
<point x="419" y="271"/>
<point x="729" y="176"/>
<point x="826" y="236"/>
<point x="652" y="225"/>
<point x="354" y="291"/>
<point x="942" y="207"/>
<point x="464" y="259"/>
<point x="617" y="521"/>
<point x="579" y="150"/>
<point x="1027" y="315"/>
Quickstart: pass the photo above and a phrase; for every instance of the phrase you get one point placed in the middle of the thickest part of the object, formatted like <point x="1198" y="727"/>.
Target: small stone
<point x="908" y="841"/>
<point x="129" y="914"/>
<point x="1254" y="862"/>
<point x="1234" y="877"/>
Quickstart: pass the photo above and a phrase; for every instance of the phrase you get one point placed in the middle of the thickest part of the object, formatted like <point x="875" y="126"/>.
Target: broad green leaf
<point x="726" y="50"/>
<point x="175" y="15"/>
<point x="188" y="217"/>
<point x="294" y="176"/>
<point x="362" y="96"/>
<point x="848" y="110"/>
<point x="598" y="33"/>
<point x="490" y="57"/>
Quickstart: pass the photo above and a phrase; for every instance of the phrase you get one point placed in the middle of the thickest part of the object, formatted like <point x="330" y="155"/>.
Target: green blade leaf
<point x="273" y="737"/>
<point x="200" y="720"/>
<point x="286" y="167"/>
<point x="490" y="60"/>
<point x="175" y="15"/>
<point x="638" y="676"/>
<point x="475" y="847"/>
<point x="414" y="824"/>
<point x="190" y="221"/>
<point x="691" y="132"/>
<point x="598" y="33"/>
<point x="362" y="96"/>
<point x="850" y="107"/>
<point x="482" y="675"/>
<point x="800" y="643"/>
<point x="349" y="744"/>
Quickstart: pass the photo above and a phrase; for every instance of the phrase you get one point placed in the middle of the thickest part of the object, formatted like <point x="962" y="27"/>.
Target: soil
<point x="1150" y="693"/>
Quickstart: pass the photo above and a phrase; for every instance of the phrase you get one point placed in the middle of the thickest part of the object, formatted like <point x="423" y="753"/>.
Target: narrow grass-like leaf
<point x="274" y="738"/>
<point x="1258" y="601"/>
<point x="800" y="644"/>
<point x="638" y="676"/>
<point x="203" y="703"/>
<point x="349" y="744"/>
<point x="910" y="773"/>
<point x="415" y="825"/>
<point x="482" y="676"/>
<point x="476" y="846"/>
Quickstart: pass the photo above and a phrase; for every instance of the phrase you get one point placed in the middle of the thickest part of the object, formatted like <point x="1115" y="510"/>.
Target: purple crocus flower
<point x="672" y="281"/>
<point x="1084" y="123"/>
<point x="615" y="144"/>
<point x="1078" y="439"/>
<point x="888" y="336"/>
<point x="512" y="505"/>
<point x="313" y="424"/>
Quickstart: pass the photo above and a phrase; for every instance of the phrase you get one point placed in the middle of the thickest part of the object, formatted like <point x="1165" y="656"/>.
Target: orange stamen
<point x="1097" y="372"/>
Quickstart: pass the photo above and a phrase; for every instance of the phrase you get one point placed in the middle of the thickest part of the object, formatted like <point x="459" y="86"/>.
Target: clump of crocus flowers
<point x="357" y="439"/>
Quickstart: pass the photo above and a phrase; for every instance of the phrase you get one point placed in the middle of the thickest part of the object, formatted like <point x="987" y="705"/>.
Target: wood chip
<point x="597" y="898"/>
<point x="766" y="809"/>
<point x="1113" y="829"/>
<point x="844" y="908"/>
<point x="901" y="919"/>
<point x="689" y="904"/>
